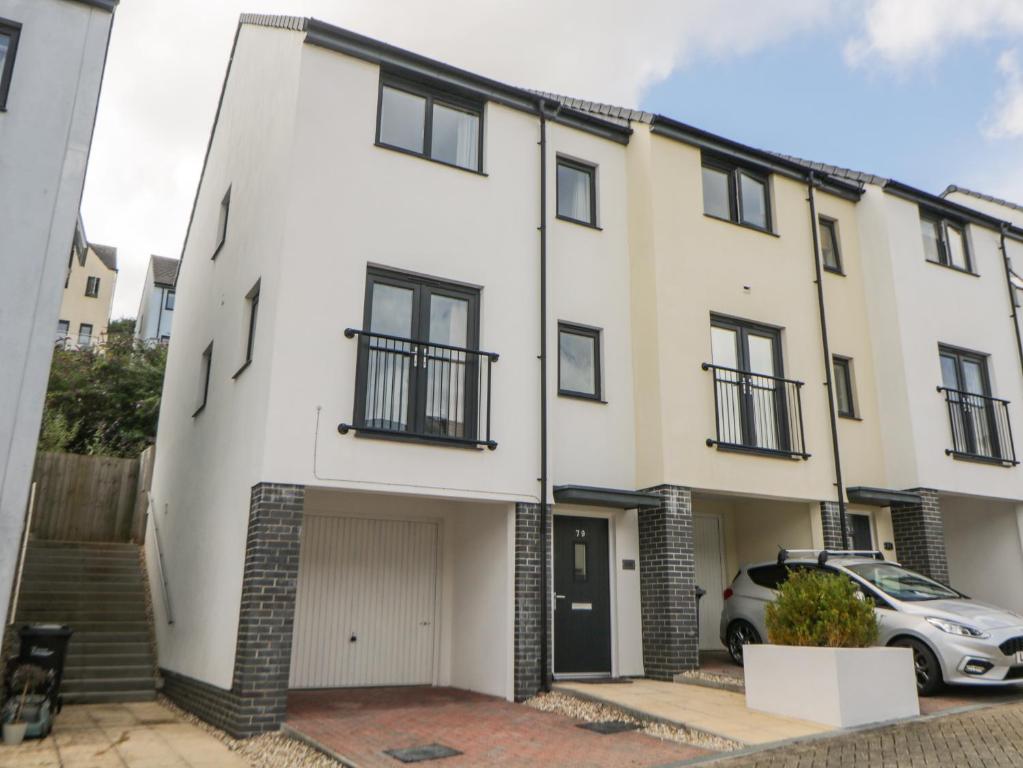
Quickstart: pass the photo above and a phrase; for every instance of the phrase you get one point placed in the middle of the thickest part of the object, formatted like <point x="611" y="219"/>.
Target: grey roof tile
<point x="165" y="270"/>
<point x="107" y="254"/>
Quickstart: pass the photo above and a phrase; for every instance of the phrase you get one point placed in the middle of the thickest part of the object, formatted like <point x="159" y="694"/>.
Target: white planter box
<point x="843" y="687"/>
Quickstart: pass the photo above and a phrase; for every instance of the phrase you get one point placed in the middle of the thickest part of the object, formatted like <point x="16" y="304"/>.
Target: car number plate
<point x="1019" y="657"/>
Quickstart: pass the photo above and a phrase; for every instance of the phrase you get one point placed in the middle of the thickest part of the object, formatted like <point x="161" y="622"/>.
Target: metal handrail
<point x="421" y="389"/>
<point x="980" y="426"/>
<point x="22" y="552"/>
<point x="757" y="412"/>
<point x="159" y="561"/>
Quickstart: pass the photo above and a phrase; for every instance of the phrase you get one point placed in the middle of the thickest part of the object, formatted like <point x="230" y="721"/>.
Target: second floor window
<point x="205" y="372"/>
<point x="979" y="422"/>
<point x="844" y="399"/>
<point x="945" y="242"/>
<point x="253" y="313"/>
<point x="736" y="194"/>
<point x="577" y="192"/>
<point x="92" y="287"/>
<point x="168" y="303"/>
<point x="436" y="125"/>
<point x="9" y="34"/>
<point x="222" y="216"/>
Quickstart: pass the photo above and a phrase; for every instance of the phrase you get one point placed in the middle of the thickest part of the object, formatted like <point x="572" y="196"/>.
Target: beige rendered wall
<point x="77" y="308"/>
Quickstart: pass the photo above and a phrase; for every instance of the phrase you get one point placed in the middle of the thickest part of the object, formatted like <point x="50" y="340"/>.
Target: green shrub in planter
<point x="821" y="609"/>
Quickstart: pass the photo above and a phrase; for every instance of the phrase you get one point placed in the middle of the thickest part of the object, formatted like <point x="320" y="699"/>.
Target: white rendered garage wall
<point x="475" y="642"/>
<point x="45" y="135"/>
<point x="984" y="543"/>
<point x="206" y="464"/>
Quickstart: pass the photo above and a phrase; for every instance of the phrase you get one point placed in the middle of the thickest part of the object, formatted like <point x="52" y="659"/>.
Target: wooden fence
<point x="91" y="498"/>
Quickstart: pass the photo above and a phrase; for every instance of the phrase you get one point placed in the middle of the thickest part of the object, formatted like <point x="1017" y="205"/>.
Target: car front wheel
<point x="925" y="665"/>
<point x="741" y="633"/>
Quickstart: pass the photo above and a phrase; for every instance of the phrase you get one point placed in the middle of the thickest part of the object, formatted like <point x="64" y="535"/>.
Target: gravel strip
<point x="592" y="712"/>
<point x="710" y="677"/>
<point x="271" y="750"/>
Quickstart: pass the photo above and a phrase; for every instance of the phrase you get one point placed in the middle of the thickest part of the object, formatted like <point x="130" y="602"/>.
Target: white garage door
<point x="707" y="534"/>
<point x="364" y="614"/>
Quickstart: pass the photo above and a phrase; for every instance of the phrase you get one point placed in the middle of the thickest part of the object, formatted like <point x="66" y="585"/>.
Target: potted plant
<point x="820" y="665"/>
<point x="26" y="678"/>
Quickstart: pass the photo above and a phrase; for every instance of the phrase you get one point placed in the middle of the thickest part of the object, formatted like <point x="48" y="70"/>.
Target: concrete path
<point x="722" y="713"/>
<point x="143" y="735"/>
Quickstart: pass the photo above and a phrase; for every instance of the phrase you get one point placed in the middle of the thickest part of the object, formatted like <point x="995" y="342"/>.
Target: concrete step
<point x="98" y="684"/>
<point x="101" y="612"/>
<point x="42" y="545"/>
<point x="32" y="588"/>
<point x="89" y="628"/>
<point x="85" y="646"/>
<point x="109" y="697"/>
<point x="138" y="658"/>
<point x="99" y="565"/>
<point x="100" y="636"/>
<point x="105" y="672"/>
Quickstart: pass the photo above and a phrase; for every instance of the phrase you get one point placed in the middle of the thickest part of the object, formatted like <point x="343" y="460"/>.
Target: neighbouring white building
<point x="88" y="293"/>
<point x="156" y="308"/>
<point x="52" y="54"/>
<point x="474" y="385"/>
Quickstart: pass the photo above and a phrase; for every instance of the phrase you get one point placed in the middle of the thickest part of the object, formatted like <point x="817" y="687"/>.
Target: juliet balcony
<point x="421" y="391"/>
<point x="980" y="427"/>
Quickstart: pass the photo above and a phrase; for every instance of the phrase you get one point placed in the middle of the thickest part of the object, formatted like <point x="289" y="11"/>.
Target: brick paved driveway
<point x="987" y="737"/>
<point x="360" y="723"/>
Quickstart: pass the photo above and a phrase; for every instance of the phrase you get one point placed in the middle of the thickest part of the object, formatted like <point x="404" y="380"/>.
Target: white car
<point x="954" y="639"/>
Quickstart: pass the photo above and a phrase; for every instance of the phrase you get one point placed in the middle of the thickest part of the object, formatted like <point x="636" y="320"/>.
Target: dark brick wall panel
<point x="257" y="701"/>
<point x="667" y="580"/>
<point x="831" y="521"/>
<point x="920" y="535"/>
<point x="529" y="605"/>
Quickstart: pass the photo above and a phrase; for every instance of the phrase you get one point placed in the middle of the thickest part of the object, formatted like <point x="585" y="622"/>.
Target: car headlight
<point x="955" y="628"/>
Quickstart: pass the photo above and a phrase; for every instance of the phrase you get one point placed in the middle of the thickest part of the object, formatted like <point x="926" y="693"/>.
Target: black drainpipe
<point x="545" y="682"/>
<point x="811" y="181"/>
<point x="1012" y="294"/>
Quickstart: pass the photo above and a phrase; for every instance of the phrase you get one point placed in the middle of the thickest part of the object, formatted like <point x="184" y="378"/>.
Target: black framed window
<point x="577" y="192"/>
<point x="424" y="121"/>
<point x="419" y="368"/>
<point x="579" y="361"/>
<point x="168" y="302"/>
<point x="85" y="335"/>
<point x="205" y="372"/>
<point x="750" y="391"/>
<point x="92" y="287"/>
<point x="252" y="315"/>
<point x="63" y="329"/>
<point x="973" y="413"/>
<point x="222" y="217"/>
<point x="10" y="32"/>
<point x="945" y="242"/>
<point x="845" y="401"/>
<point x="831" y="256"/>
<point x="736" y="194"/>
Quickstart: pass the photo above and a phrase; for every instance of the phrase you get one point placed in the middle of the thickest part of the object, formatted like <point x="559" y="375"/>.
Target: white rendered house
<point x="52" y="54"/>
<point x="156" y="307"/>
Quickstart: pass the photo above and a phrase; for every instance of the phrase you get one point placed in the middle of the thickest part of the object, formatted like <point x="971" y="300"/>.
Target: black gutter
<point x="767" y="162"/>
<point x="398" y="60"/>
<point x="1012" y="295"/>
<point x="545" y="593"/>
<point x="811" y="181"/>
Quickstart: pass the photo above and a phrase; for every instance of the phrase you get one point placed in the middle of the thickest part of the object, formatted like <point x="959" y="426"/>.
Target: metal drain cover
<point x="422" y="754"/>
<point x="609" y="726"/>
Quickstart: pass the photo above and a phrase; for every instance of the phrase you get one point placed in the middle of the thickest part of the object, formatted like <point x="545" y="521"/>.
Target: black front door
<point x="582" y="599"/>
<point x="859" y="530"/>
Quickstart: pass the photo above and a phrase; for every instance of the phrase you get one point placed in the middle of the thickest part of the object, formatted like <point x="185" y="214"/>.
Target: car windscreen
<point x="902" y="584"/>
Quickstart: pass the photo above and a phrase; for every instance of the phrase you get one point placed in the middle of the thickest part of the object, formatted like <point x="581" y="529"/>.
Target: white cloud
<point x="167" y="61"/>
<point x="1006" y="122"/>
<point x="906" y="32"/>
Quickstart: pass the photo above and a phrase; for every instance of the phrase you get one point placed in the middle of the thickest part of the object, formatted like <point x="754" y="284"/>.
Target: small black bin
<point x="45" y="645"/>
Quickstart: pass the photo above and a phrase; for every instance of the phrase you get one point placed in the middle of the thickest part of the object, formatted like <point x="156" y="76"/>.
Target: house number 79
<point x="579" y="534"/>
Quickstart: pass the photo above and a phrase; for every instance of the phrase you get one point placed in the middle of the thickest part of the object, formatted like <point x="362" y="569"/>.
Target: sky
<point x="929" y="92"/>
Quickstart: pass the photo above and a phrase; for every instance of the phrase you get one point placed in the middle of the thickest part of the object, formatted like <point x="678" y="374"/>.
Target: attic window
<point x="735" y="194"/>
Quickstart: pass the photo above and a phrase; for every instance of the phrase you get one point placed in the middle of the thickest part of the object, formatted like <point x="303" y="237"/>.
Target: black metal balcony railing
<point x="417" y="389"/>
<point x="980" y="427"/>
<point x="756" y="412"/>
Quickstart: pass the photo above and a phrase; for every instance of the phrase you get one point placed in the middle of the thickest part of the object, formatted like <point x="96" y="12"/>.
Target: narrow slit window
<point x="579" y="573"/>
<point x="577" y="192"/>
<point x="205" y="371"/>
<point x="844" y="400"/>
<point x="225" y="210"/>
<point x="579" y="361"/>
<point x="830" y="254"/>
<point x="9" y="34"/>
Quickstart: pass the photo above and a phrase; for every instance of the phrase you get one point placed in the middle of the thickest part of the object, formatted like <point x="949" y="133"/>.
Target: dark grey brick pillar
<point x="831" y="522"/>
<point x="920" y="535"/>
<point x="529" y="604"/>
<point x="257" y="700"/>
<point x="667" y="579"/>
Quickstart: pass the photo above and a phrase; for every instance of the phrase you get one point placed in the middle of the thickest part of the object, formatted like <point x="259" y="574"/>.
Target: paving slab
<point x="719" y="712"/>
<point x="131" y="735"/>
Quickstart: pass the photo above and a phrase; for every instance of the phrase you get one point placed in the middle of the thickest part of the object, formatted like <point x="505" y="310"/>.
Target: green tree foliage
<point x="104" y="400"/>
<point x="816" y="608"/>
